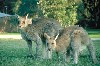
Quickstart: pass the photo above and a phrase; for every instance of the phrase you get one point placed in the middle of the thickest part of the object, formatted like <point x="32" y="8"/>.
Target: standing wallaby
<point x="79" y="40"/>
<point x="32" y="30"/>
<point x="71" y="39"/>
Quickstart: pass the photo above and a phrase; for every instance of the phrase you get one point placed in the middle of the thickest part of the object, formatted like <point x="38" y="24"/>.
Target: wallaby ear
<point x="46" y="36"/>
<point x="30" y="21"/>
<point x="56" y="36"/>
<point x="26" y="16"/>
<point x="77" y="31"/>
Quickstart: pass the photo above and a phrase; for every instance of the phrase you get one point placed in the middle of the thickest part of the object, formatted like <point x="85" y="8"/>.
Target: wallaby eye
<point x="47" y="43"/>
<point x="76" y="33"/>
<point x="23" y="22"/>
<point x="52" y="43"/>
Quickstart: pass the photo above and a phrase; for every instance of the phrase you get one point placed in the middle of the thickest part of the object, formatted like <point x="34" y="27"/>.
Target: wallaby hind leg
<point x="29" y="43"/>
<point x="92" y="53"/>
<point x="75" y="50"/>
<point x="76" y="54"/>
<point x="68" y="54"/>
<point x="38" y="47"/>
<point x="64" y="57"/>
<point x="44" y="52"/>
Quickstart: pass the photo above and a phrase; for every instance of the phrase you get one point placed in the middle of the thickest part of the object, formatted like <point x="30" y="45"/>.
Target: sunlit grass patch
<point x="94" y="33"/>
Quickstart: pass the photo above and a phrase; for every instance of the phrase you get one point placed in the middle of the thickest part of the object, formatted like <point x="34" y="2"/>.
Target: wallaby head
<point x="24" y="21"/>
<point x="51" y="41"/>
<point x="76" y="33"/>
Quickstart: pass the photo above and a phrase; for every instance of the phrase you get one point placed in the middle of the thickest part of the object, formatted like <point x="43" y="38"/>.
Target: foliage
<point x="9" y="24"/>
<point x="23" y="7"/>
<point x="92" y="12"/>
<point x="65" y="11"/>
<point x="68" y="12"/>
<point x="91" y="7"/>
<point x="54" y="9"/>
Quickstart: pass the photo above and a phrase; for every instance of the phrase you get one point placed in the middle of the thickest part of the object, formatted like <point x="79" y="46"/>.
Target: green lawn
<point x="13" y="52"/>
<point x="94" y="33"/>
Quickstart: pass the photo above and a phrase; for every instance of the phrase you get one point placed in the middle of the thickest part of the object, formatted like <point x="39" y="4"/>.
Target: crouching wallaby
<point x="61" y="43"/>
<point x="32" y="30"/>
<point x="71" y="39"/>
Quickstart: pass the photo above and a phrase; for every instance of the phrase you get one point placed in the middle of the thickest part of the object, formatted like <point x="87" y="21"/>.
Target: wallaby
<point x="79" y="41"/>
<point x="33" y="30"/>
<point x="71" y="40"/>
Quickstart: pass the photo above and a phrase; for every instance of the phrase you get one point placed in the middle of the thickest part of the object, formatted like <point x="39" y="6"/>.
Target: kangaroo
<point x="33" y="29"/>
<point x="71" y="40"/>
<point x="60" y="43"/>
<point x="79" y="41"/>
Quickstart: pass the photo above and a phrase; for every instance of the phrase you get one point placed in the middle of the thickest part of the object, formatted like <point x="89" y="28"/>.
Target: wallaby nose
<point x="19" y="25"/>
<point x="49" y="49"/>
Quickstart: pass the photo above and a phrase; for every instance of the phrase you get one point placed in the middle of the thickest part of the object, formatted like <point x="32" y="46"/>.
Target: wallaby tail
<point x="91" y="50"/>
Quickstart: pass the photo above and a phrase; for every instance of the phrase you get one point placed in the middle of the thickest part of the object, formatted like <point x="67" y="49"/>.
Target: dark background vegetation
<point x="85" y="13"/>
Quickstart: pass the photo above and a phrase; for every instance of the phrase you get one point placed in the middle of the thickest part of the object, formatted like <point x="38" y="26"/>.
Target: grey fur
<point x="33" y="30"/>
<point x="71" y="39"/>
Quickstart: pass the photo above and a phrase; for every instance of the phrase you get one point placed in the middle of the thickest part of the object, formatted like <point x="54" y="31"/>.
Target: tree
<point x="65" y="11"/>
<point x="92" y="11"/>
<point x="23" y="7"/>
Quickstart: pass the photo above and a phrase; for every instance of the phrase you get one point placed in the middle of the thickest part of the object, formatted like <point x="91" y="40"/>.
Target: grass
<point x="13" y="52"/>
<point x="9" y="33"/>
<point x="94" y="33"/>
